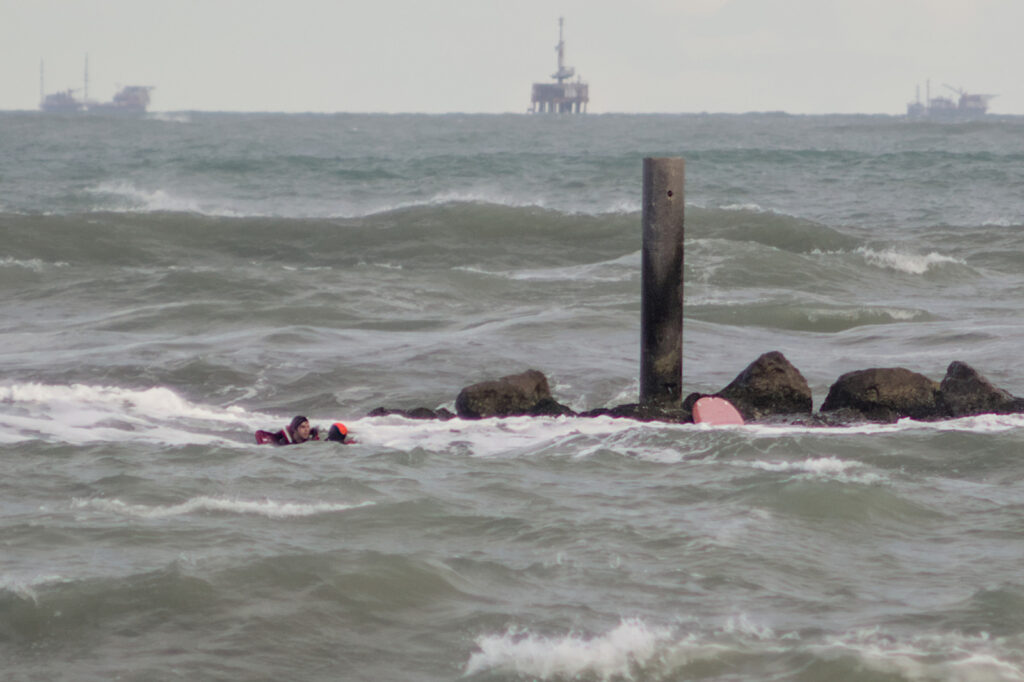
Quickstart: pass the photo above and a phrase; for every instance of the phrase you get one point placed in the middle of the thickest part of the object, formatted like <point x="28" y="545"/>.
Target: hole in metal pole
<point x="670" y="192"/>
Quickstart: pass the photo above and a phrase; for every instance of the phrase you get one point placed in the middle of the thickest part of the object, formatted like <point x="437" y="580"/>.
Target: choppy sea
<point x="169" y="284"/>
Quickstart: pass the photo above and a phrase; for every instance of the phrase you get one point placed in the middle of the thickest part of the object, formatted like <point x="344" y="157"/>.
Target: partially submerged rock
<point x="515" y="395"/>
<point x="768" y="387"/>
<point x="644" y="413"/>
<point x="415" y="413"/>
<point x="965" y="393"/>
<point x="885" y="395"/>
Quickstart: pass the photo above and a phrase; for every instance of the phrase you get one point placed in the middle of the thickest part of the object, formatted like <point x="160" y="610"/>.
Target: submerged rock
<point x="525" y="394"/>
<point x="769" y="386"/>
<point x="415" y="413"/>
<point x="885" y="395"/>
<point x="966" y="393"/>
<point x="643" y="413"/>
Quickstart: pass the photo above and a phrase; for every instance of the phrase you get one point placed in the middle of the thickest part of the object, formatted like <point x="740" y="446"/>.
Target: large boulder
<point x="885" y="395"/>
<point x="964" y="393"/>
<point x="769" y="386"/>
<point x="516" y="395"/>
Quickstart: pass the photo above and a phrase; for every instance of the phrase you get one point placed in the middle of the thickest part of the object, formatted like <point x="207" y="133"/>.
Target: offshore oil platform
<point x="561" y="97"/>
<point x="968" y="107"/>
<point x="131" y="99"/>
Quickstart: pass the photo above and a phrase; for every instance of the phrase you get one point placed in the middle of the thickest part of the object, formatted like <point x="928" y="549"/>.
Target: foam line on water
<point x="519" y="436"/>
<point x="621" y="269"/>
<point x="830" y="468"/>
<point x="946" y="656"/>
<point x="33" y="264"/>
<point x="269" y="508"/>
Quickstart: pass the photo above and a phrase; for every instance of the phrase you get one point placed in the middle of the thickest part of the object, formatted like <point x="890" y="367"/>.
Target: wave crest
<point x="268" y="508"/>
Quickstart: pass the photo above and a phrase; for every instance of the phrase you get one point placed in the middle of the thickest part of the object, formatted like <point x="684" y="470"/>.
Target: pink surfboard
<point x="715" y="411"/>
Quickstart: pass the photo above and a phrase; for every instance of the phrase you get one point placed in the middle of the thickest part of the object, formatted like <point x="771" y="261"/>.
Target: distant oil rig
<point x="561" y="97"/>
<point x="132" y="99"/>
<point x="968" y="107"/>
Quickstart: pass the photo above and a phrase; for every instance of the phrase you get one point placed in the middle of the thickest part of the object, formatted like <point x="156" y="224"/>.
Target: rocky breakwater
<point x="889" y="394"/>
<point x="770" y="390"/>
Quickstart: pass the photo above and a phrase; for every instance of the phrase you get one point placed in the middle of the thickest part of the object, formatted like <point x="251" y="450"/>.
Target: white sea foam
<point x="155" y="401"/>
<point x="81" y="413"/>
<point x="33" y="264"/>
<point x="753" y="208"/>
<point x="607" y="656"/>
<point x="830" y="468"/>
<point x="170" y="117"/>
<point x="1002" y="222"/>
<point x="26" y="587"/>
<point x="985" y="423"/>
<point x="125" y="197"/>
<point x="496" y="197"/>
<point x="814" y="465"/>
<point x="934" y="656"/>
<point x="268" y="508"/>
<point x="509" y="437"/>
<point x="634" y="649"/>
<point x="621" y="269"/>
<point x="914" y="264"/>
<point x="523" y="436"/>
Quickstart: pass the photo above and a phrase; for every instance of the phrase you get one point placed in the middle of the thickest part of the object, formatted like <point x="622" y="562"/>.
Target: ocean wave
<point x="81" y="413"/>
<point x="751" y="207"/>
<point x="826" y="468"/>
<point x="797" y="316"/>
<point x="622" y="269"/>
<point x="946" y="656"/>
<point x="634" y="649"/>
<point x="26" y="588"/>
<point x="269" y="508"/>
<point x="614" y="654"/>
<point x="910" y="263"/>
<point x="125" y="197"/>
<point x="156" y="401"/>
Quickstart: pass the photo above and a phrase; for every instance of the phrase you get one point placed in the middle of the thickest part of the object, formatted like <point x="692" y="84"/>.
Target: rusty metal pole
<point x="661" y="315"/>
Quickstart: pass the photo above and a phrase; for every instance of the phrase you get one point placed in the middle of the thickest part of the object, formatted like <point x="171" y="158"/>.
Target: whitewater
<point x="173" y="282"/>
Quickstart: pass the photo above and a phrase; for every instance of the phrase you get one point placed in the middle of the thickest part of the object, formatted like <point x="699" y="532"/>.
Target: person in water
<point x="299" y="431"/>
<point x="338" y="432"/>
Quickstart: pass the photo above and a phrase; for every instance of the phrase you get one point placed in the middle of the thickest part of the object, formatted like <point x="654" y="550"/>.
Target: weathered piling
<point x="661" y="316"/>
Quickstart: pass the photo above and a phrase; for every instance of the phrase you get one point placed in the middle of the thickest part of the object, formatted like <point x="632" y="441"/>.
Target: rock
<point x="885" y="395"/>
<point x="964" y="393"/>
<point x="690" y="400"/>
<point x="643" y="413"/>
<point x="549" y="407"/>
<point x="415" y="413"/>
<point x="515" y="395"/>
<point x="769" y="386"/>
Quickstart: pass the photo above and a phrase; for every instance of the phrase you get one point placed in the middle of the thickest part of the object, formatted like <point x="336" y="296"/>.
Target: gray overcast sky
<point x="801" y="56"/>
